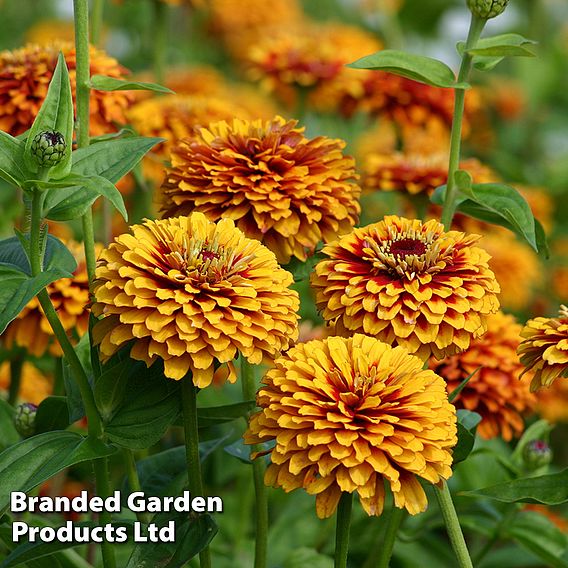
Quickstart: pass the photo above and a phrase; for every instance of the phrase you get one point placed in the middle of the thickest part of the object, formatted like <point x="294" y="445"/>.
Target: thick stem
<point x="189" y="411"/>
<point x="476" y="27"/>
<point x="160" y="39"/>
<point x="134" y="481"/>
<point x="16" y="365"/>
<point x="261" y="517"/>
<point x="453" y="526"/>
<point x="97" y="21"/>
<point x="342" y="529"/>
<point x="385" y="552"/>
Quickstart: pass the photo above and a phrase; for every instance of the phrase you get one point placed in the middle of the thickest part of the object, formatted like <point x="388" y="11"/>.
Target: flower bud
<point x="48" y="148"/>
<point x="487" y="9"/>
<point x="536" y="454"/>
<point x="24" y="419"/>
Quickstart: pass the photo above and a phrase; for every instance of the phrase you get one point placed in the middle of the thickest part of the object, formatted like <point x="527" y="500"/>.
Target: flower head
<point x="48" y="148"/>
<point x="544" y="348"/>
<point x="407" y="283"/>
<point x="280" y="187"/>
<point x="190" y="292"/>
<point x="494" y="390"/>
<point x="487" y="9"/>
<point x="70" y="297"/>
<point x="350" y="415"/>
<point x="25" y="75"/>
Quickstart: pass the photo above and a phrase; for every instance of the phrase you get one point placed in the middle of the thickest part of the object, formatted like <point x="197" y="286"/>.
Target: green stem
<point x="453" y="526"/>
<point x="394" y="521"/>
<point x="342" y="529"/>
<point x="189" y="411"/>
<point x="97" y="20"/>
<point x="476" y="27"/>
<point x="16" y="365"/>
<point x="505" y="521"/>
<point x="134" y="481"/>
<point x="160" y="39"/>
<point x="261" y="519"/>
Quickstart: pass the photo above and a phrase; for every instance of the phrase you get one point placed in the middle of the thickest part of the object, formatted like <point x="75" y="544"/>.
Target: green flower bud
<point x="487" y="9"/>
<point x="24" y="419"/>
<point x="48" y="147"/>
<point x="536" y="454"/>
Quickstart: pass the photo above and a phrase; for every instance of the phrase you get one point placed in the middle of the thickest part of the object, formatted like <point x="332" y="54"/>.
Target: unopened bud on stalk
<point x="487" y="9"/>
<point x="537" y="453"/>
<point x="48" y="148"/>
<point x="24" y="419"/>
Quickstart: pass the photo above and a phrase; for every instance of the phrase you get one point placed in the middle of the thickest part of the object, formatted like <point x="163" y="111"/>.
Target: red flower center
<point x="208" y="254"/>
<point x="407" y="247"/>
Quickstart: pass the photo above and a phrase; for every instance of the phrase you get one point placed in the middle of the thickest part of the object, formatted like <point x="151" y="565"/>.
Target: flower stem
<point x="189" y="411"/>
<point x="394" y="521"/>
<point x="261" y="518"/>
<point x="16" y="365"/>
<point x="97" y="20"/>
<point x="476" y="27"/>
<point x="160" y="39"/>
<point x="342" y="529"/>
<point x="134" y="480"/>
<point x="453" y="526"/>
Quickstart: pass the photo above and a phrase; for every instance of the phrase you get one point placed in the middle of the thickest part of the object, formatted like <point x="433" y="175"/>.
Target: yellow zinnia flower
<point x="545" y="348"/>
<point x="350" y="415"/>
<point x="25" y="75"/>
<point x="494" y="391"/>
<point x="190" y="292"/>
<point x="280" y="187"/>
<point x="407" y="283"/>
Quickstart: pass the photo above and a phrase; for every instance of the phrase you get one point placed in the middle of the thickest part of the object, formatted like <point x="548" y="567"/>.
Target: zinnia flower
<point x="494" y="391"/>
<point x="70" y="297"/>
<point x="280" y="187"/>
<point x="190" y="292"/>
<point x="408" y="283"/>
<point x="25" y="75"/>
<point x="350" y="415"/>
<point x="34" y="385"/>
<point x="544" y="348"/>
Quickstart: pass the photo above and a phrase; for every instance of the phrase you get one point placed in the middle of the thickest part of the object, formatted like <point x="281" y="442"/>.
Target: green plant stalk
<point x="134" y="481"/>
<point x="261" y="516"/>
<point x="16" y="365"/>
<point x="189" y="413"/>
<point x="342" y="529"/>
<point x="94" y="424"/>
<point x="160" y="39"/>
<point x="453" y="525"/>
<point x="394" y="522"/>
<point x="97" y="21"/>
<point x="510" y="513"/>
<point x="476" y="27"/>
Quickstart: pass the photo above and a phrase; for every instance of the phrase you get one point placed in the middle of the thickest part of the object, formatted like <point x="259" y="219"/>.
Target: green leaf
<point x="56" y="113"/>
<point x="104" y="83"/>
<point x="52" y="414"/>
<point x="74" y="398"/>
<point x="150" y="404"/>
<point x="539" y="535"/>
<point x="227" y="413"/>
<point x="112" y="159"/>
<point x="12" y="169"/>
<point x="467" y="426"/>
<point x="34" y="460"/>
<point x="110" y="388"/>
<point x="416" y="67"/>
<point x="9" y="434"/>
<point x="504" y="45"/>
<point x="71" y="197"/>
<point x="549" y="489"/>
<point x="193" y="534"/>
<point x="302" y="270"/>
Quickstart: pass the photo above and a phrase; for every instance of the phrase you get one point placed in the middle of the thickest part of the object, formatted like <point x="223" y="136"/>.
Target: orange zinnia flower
<point x="350" y="415"/>
<point x="280" y="187"/>
<point x="189" y="292"/>
<point x="408" y="283"/>
<point x="494" y="391"/>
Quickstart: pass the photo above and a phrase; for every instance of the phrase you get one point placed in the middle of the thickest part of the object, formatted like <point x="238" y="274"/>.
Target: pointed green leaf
<point x="52" y="414"/>
<point x="104" y="83"/>
<point x="227" y="413"/>
<point x="112" y="159"/>
<point x="549" y="489"/>
<point x="56" y="113"/>
<point x="110" y="388"/>
<point x="12" y="167"/>
<point x="467" y="426"/>
<point x="416" y="67"/>
<point x="504" y="45"/>
<point x="36" y="459"/>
